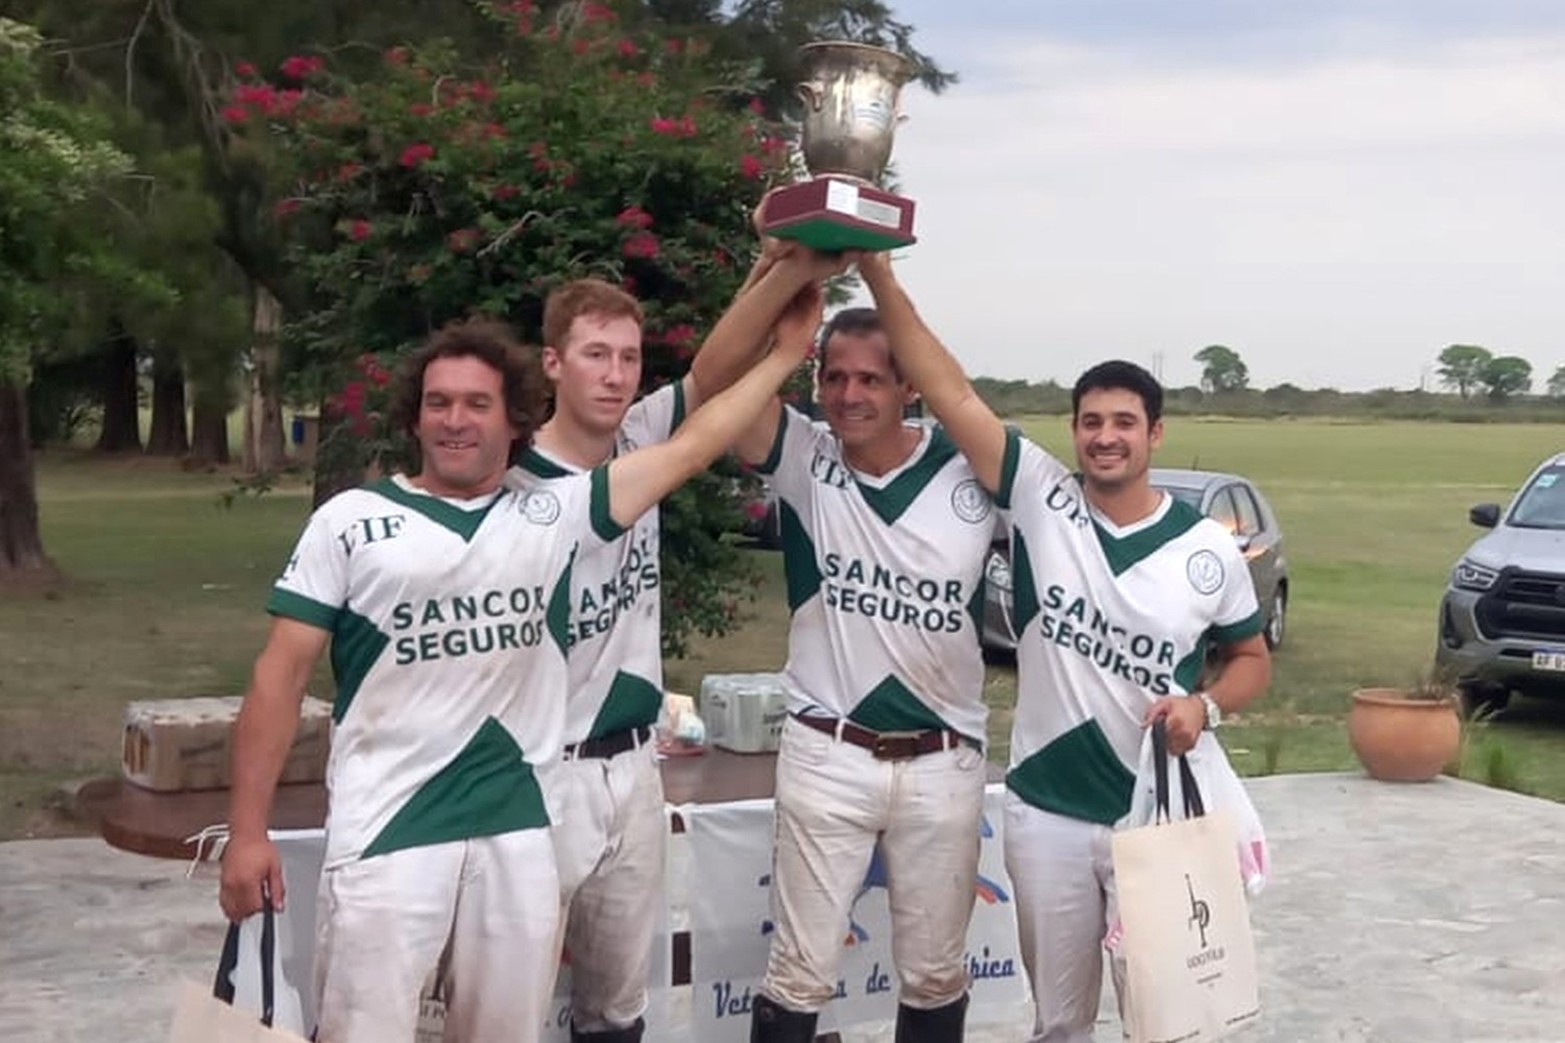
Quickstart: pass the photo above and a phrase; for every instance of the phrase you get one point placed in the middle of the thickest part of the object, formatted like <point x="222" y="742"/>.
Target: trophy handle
<point x="811" y="95"/>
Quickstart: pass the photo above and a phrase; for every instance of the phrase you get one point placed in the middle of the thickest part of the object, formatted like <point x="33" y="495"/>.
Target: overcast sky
<point x="1337" y="189"/>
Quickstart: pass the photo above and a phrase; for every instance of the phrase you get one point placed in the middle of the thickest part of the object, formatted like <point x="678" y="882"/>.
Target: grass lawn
<point x="166" y="587"/>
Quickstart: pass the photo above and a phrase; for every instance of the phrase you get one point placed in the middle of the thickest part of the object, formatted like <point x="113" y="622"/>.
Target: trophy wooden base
<point x="832" y="214"/>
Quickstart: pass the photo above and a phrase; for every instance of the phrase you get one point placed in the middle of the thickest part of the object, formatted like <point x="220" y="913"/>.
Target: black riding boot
<point x="940" y="1025"/>
<point x="773" y="1023"/>
<point x="628" y="1034"/>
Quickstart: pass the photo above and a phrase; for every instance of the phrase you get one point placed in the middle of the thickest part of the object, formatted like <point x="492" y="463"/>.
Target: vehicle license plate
<point x="1548" y="661"/>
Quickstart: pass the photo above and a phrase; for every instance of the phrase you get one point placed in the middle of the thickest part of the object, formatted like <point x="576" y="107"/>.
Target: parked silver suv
<point x="1502" y="620"/>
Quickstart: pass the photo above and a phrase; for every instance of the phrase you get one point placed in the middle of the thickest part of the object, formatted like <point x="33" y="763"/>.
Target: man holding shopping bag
<point x="1120" y="594"/>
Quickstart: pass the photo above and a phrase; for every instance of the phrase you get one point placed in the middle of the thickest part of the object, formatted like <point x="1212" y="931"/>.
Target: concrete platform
<point x="1399" y="914"/>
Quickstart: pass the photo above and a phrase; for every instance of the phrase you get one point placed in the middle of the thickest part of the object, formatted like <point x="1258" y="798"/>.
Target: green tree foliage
<point x="54" y="259"/>
<point x="1222" y="369"/>
<point x="1505" y="376"/>
<point x="1556" y="383"/>
<point x="435" y="187"/>
<point x="1462" y="367"/>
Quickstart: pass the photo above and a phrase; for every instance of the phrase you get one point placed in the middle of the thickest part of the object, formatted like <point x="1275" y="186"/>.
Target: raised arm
<point x="267" y="721"/>
<point x="742" y="334"/>
<point x="936" y="374"/>
<point x="640" y="479"/>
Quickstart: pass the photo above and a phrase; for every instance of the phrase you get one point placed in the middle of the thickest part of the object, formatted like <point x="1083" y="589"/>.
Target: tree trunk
<point x="121" y="420"/>
<point x="209" y="432"/>
<point x="265" y="451"/>
<point x="335" y="470"/>
<point x="22" y="559"/>
<point x="170" y="433"/>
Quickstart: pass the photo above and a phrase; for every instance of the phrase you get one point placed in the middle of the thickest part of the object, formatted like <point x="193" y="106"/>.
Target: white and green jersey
<point x="884" y="578"/>
<point x="615" y="629"/>
<point x="1108" y="620"/>
<point x="448" y="630"/>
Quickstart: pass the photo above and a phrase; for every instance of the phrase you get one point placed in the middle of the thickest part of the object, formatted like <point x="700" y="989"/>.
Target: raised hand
<point x="797" y="325"/>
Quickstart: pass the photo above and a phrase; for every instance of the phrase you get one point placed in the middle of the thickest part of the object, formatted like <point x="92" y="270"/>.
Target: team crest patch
<point x="540" y="506"/>
<point x="970" y="502"/>
<point x="1205" y="571"/>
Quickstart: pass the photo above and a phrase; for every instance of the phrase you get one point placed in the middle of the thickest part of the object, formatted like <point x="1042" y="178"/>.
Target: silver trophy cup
<point x="850" y="108"/>
<point x="851" y="111"/>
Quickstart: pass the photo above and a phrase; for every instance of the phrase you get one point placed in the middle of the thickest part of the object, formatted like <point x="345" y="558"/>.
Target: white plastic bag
<point x="1221" y="790"/>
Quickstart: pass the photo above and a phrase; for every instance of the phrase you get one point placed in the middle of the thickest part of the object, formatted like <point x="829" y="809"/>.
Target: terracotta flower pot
<point x="1400" y="739"/>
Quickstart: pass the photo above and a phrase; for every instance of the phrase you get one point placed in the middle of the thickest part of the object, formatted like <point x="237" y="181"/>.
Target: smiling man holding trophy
<point x="880" y="765"/>
<point x="850" y="95"/>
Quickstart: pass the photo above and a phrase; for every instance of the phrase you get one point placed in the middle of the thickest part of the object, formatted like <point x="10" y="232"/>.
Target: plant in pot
<point x="1407" y="734"/>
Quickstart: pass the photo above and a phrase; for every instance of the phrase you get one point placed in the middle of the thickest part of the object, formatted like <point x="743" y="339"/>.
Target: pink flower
<point x="755" y="509"/>
<point x="348" y="171"/>
<point x="260" y="95"/>
<point x="680" y="336"/>
<point x="594" y="12"/>
<point x="284" y="207"/>
<point x="397" y="56"/>
<point x="661" y="125"/>
<point x="757" y="106"/>
<point x="628" y="48"/>
<point x="300" y="67"/>
<point x="771" y="144"/>
<point x="284" y="102"/>
<point x="500" y="193"/>
<point x="751" y="167"/>
<point x="687" y="126"/>
<point x="642" y="244"/>
<point x="673" y="45"/>
<point x="415" y="155"/>
<point x="359" y="230"/>
<point x="244" y="70"/>
<point x="420" y="109"/>
<point x="634" y="217"/>
<point x="236" y="114"/>
<point x="478" y="90"/>
<point x="462" y="240"/>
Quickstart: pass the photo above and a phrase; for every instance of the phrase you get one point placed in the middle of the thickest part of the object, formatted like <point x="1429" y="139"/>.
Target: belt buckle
<point x="895" y="746"/>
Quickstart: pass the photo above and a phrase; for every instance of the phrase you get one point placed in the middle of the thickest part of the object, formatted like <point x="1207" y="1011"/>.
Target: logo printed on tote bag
<point x="1200" y="912"/>
<point x="1200" y="920"/>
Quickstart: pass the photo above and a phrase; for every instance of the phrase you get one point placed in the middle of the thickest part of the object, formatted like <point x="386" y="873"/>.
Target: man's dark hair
<point x="491" y="342"/>
<point x="852" y="322"/>
<point x="1120" y="375"/>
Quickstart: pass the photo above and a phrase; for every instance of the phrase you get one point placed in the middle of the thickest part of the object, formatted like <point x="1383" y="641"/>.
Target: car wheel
<point x="1276" y="618"/>
<point x="1483" y="699"/>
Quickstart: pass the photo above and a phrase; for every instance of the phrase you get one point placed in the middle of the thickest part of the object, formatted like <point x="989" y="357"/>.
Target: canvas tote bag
<point x="1189" y="955"/>
<point x="211" y="1017"/>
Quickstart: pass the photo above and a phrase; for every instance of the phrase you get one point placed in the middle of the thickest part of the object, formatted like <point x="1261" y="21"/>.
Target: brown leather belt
<point x="611" y="744"/>
<point x="889" y="746"/>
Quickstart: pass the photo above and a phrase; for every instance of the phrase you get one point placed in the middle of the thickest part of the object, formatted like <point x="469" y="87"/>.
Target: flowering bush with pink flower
<point x="430" y="190"/>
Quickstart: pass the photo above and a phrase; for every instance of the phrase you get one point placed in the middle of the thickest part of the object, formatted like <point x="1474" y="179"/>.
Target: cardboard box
<point x="186" y="744"/>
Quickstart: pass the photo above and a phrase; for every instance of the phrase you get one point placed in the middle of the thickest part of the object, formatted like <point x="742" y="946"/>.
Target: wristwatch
<point x="1214" y="713"/>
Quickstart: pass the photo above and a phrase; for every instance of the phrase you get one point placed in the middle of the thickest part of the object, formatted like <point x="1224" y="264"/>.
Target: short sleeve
<point x="1026" y="470"/>
<point x="1237" y="615"/>
<point x="787" y="466"/>
<point x="313" y="587"/>
<point x="655" y="417"/>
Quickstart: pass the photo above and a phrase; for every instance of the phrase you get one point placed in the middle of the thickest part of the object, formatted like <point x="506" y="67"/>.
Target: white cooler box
<point x="744" y="713"/>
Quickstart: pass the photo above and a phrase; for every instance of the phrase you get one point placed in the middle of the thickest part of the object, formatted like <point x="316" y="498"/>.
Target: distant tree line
<point x="1481" y="387"/>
